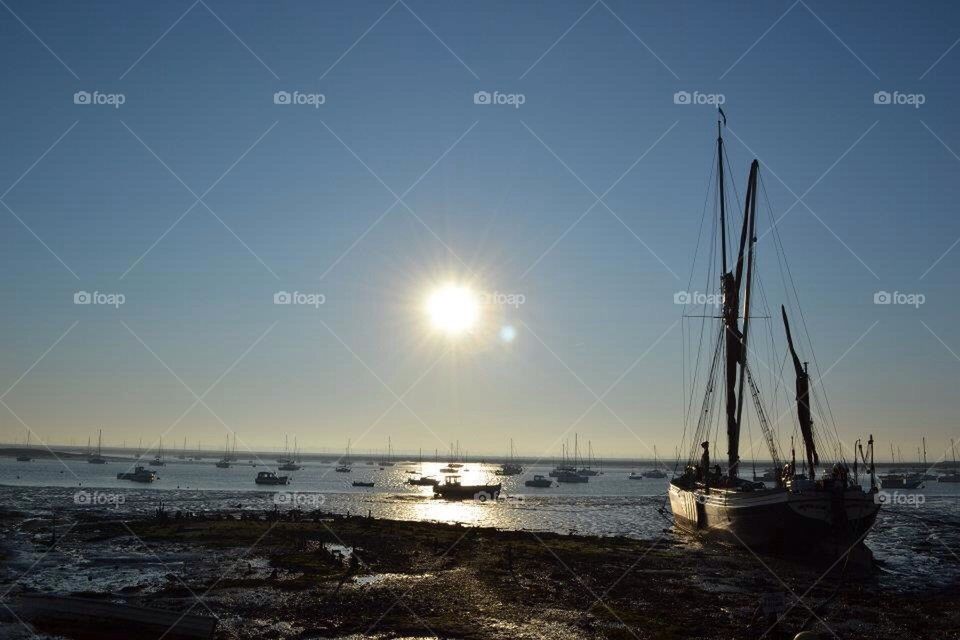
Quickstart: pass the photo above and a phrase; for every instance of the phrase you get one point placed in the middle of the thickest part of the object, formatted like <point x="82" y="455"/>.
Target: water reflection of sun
<point x="469" y="512"/>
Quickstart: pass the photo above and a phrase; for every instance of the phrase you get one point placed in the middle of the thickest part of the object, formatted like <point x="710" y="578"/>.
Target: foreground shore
<point x="294" y="575"/>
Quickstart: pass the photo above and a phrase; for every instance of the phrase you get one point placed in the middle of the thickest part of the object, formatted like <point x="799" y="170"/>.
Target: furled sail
<point x="803" y="401"/>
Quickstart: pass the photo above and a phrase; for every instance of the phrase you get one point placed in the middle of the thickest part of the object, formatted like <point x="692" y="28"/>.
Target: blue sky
<point x="287" y="190"/>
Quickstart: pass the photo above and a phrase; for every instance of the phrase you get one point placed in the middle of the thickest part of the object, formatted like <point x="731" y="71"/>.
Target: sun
<point x="453" y="309"/>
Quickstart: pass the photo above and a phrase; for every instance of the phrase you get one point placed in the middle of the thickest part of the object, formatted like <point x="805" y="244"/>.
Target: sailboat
<point x="24" y="457"/>
<point x="800" y="509"/>
<point x="158" y="459"/>
<point x="588" y="470"/>
<point x="897" y="479"/>
<point x="183" y="452"/>
<point x="98" y="457"/>
<point x="387" y="461"/>
<point x="924" y="471"/>
<point x="510" y="466"/>
<point x="565" y="466"/>
<point x="568" y="474"/>
<point x="422" y="481"/>
<point x="344" y="466"/>
<point x="224" y="462"/>
<point x="291" y="463"/>
<point x="953" y="476"/>
<point x="656" y="472"/>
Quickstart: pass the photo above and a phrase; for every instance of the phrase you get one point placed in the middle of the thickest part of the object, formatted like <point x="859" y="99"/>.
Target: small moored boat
<point x="269" y="477"/>
<point x="453" y="489"/>
<point x="541" y="482"/>
<point x="423" y="481"/>
<point x="139" y="474"/>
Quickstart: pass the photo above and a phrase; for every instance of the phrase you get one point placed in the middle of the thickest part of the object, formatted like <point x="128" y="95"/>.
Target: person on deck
<point x="705" y="460"/>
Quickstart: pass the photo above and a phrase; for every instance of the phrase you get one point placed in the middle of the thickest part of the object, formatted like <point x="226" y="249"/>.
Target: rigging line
<point x="784" y="265"/>
<point x="733" y="183"/>
<point x="703" y="216"/>
<point x="703" y="324"/>
<point x="803" y="320"/>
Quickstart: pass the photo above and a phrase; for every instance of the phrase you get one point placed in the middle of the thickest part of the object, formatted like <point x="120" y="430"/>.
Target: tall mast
<point x="751" y="242"/>
<point x="723" y="205"/>
<point x="733" y="337"/>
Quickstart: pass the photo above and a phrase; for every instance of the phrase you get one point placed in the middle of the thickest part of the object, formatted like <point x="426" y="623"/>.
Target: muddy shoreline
<point x="320" y="575"/>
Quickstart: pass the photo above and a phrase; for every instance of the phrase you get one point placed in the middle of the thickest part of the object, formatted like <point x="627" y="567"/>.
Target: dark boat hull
<point x="481" y="493"/>
<point x="776" y="519"/>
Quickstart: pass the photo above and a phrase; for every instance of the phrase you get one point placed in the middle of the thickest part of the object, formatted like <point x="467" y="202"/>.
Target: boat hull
<point x="775" y="519"/>
<point x="480" y="493"/>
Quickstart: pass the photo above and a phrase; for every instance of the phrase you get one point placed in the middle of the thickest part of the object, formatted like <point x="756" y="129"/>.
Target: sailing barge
<point x="797" y="510"/>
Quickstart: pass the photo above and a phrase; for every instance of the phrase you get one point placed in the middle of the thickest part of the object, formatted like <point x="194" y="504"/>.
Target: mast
<point x="803" y="401"/>
<point x="723" y="205"/>
<point x="733" y="337"/>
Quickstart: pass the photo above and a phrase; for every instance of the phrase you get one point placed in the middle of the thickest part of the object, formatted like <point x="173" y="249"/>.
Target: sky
<point x="151" y="157"/>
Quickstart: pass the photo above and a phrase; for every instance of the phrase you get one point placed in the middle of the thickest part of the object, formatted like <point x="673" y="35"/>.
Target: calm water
<point x="916" y="539"/>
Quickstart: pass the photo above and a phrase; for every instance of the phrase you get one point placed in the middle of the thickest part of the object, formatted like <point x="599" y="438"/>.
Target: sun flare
<point x="453" y="309"/>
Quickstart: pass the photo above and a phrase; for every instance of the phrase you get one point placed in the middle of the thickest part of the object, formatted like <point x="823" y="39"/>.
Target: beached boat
<point x="453" y="489"/>
<point x="540" y="482"/>
<point x="800" y="511"/>
<point x="139" y="474"/>
<point x="269" y="477"/>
